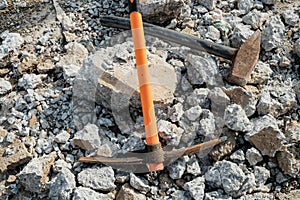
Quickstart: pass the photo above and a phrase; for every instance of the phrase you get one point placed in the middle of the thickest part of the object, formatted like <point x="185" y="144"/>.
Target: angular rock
<point x="196" y="187"/>
<point x="229" y="177"/>
<point x="176" y="169"/>
<point x="242" y="97"/>
<point x="5" y="86"/>
<point x="202" y="70"/>
<point x="60" y="165"/>
<point x="288" y="163"/>
<point x="18" y="156"/>
<point x="34" y="175"/>
<point x="276" y="100"/>
<point x="98" y="178"/>
<point x="31" y="81"/>
<point x="175" y="112"/>
<point x="209" y="4"/>
<point x="192" y="167"/>
<point x="62" y="185"/>
<point x="83" y="193"/>
<point x="73" y="60"/>
<point x="207" y="124"/>
<point x="199" y="97"/>
<point x="65" y="21"/>
<point x="253" y="156"/>
<point x="224" y="148"/>
<point x="294" y="194"/>
<point x="139" y="184"/>
<point x="265" y="129"/>
<point x="259" y="195"/>
<point x="3" y="4"/>
<point x="272" y="33"/>
<point x="255" y="18"/>
<point x="213" y="33"/>
<point x="218" y="101"/>
<point x="62" y="137"/>
<point x="261" y="73"/>
<point x="88" y="138"/>
<point x="238" y="156"/>
<point x="240" y="34"/>
<point x="292" y="132"/>
<point x="193" y="113"/>
<point x="160" y="11"/>
<point x="269" y="2"/>
<point x="10" y="42"/>
<point x="46" y="66"/>
<point x="127" y="193"/>
<point x="297" y="47"/>
<point x="261" y="175"/>
<point x="245" y="5"/>
<point x="170" y="132"/>
<point x="290" y="17"/>
<point x="236" y="119"/>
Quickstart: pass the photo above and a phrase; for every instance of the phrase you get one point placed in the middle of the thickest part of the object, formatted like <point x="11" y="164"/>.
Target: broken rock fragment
<point x="18" y="153"/>
<point x="83" y="193"/>
<point x="5" y="86"/>
<point x="98" y="178"/>
<point x="236" y="119"/>
<point x="139" y="184"/>
<point x="128" y="193"/>
<point x="88" y="138"/>
<point x="10" y="42"/>
<point x="261" y="73"/>
<point x="242" y="97"/>
<point x="265" y="129"/>
<point x="160" y="11"/>
<point x="62" y="185"/>
<point x="34" y="175"/>
<point x="288" y="162"/>
<point x="195" y="187"/>
<point x="272" y="33"/>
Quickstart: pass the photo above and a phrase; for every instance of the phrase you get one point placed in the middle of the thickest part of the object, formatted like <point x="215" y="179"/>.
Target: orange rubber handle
<point x="144" y="83"/>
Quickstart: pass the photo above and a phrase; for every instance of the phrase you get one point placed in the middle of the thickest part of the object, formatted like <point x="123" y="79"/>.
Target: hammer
<point x="244" y="58"/>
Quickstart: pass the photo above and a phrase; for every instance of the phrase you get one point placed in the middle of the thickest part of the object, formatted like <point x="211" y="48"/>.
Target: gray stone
<point x="269" y="2"/>
<point x="209" y="4"/>
<point x="60" y="165"/>
<point x="225" y="148"/>
<point x="5" y="86"/>
<point x="83" y="193"/>
<point x="128" y="193"/>
<point x="246" y="99"/>
<point x="261" y="73"/>
<point x="3" y="4"/>
<point x="31" y="81"/>
<point x="245" y="5"/>
<point x="261" y="175"/>
<point x="253" y="156"/>
<point x="202" y="70"/>
<point x="193" y="113"/>
<point x="175" y="112"/>
<point x="292" y="132"/>
<point x="139" y="184"/>
<point x="176" y="169"/>
<point x="207" y="124"/>
<point x="62" y="137"/>
<point x="34" y="175"/>
<point x="219" y="101"/>
<point x="255" y="18"/>
<point x="240" y="34"/>
<point x="160" y="11"/>
<point x="236" y="119"/>
<point x="192" y="166"/>
<point x="272" y="33"/>
<point x="217" y="195"/>
<point x="179" y="194"/>
<point x="199" y="97"/>
<point x="297" y="47"/>
<point x="229" y="177"/>
<point x="98" y="178"/>
<point x="213" y="33"/>
<point x="72" y="61"/>
<point x="266" y="129"/>
<point x="195" y="187"/>
<point x="238" y="156"/>
<point x="11" y="42"/>
<point x="65" y="21"/>
<point x="62" y="185"/>
<point x="88" y="138"/>
<point x="170" y="132"/>
<point x="259" y="195"/>
<point x="276" y="100"/>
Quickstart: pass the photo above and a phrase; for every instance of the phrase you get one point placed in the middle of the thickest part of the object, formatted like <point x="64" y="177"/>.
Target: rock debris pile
<point x="68" y="89"/>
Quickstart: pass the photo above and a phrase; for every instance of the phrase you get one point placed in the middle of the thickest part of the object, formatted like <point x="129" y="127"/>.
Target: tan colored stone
<point x="128" y="193"/>
<point x="19" y="156"/>
<point x="32" y="120"/>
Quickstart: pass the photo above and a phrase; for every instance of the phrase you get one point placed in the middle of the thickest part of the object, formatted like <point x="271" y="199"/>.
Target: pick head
<point x="245" y="60"/>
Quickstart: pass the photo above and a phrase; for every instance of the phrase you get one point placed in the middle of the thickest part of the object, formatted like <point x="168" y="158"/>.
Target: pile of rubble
<point x="68" y="89"/>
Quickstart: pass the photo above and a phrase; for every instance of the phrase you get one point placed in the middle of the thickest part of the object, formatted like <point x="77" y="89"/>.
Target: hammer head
<point x="245" y="60"/>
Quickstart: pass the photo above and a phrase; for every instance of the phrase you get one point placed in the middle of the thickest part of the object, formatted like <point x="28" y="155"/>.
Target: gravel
<point x="63" y="95"/>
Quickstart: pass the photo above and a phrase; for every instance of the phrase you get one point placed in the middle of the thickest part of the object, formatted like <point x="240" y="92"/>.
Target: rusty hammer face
<point x="244" y="59"/>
